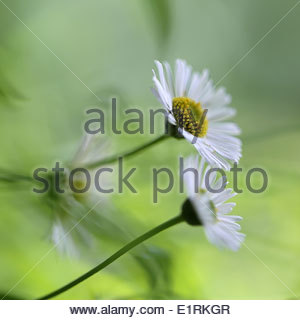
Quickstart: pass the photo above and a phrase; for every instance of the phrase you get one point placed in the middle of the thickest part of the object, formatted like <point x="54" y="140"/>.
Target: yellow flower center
<point x="190" y="116"/>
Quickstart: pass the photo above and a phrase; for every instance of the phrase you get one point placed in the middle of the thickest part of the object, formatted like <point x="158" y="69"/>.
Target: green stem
<point x="128" y="154"/>
<point x="8" y="176"/>
<point x="115" y="256"/>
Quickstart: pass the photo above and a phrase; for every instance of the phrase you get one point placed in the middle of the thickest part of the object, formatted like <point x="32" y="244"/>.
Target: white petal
<point x="164" y="94"/>
<point x="219" y="198"/>
<point x="225" y="128"/>
<point x="225" y="208"/>
<point x="170" y="79"/>
<point x="182" y="77"/>
<point x="218" y="114"/>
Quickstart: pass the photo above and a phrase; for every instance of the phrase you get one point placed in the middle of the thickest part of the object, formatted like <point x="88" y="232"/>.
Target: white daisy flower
<point x="211" y="209"/>
<point x="93" y="148"/>
<point x="72" y="218"/>
<point x="186" y="95"/>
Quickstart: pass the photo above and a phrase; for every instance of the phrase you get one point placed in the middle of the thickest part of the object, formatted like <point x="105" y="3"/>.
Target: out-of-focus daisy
<point x="75" y="215"/>
<point x="210" y="209"/>
<point x="186" y="95"/>
<point x="93" y="148"/>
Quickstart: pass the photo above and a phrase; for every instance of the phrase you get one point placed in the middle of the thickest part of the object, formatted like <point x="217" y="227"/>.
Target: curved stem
<point x="114" y="158"/>
<point x="8" y="176"/>
<point x="115" y="256"/>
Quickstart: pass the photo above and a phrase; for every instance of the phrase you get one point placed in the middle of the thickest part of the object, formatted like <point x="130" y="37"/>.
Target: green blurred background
<point x="111" y="46"/>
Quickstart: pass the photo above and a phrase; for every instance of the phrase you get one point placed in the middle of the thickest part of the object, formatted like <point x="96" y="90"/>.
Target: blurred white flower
<point x="185" y="95"/>
<point x="93" y="148"/>
<point x="211" y="208"/>
<point x="75" y="215"/>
